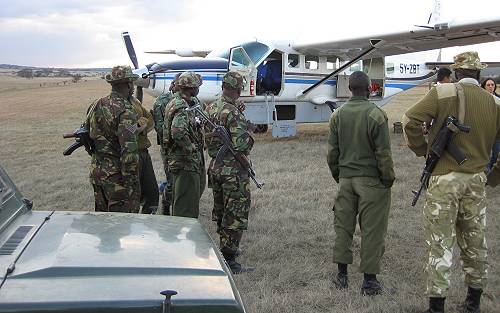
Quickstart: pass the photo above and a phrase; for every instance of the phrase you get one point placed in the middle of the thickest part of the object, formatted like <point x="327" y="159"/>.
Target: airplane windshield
<point x="254" y="49"/>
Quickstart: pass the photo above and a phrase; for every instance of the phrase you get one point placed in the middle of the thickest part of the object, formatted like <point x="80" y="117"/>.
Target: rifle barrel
<point x="69" y="135"/>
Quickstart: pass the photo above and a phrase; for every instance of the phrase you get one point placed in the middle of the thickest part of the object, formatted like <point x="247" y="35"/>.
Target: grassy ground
<point x="291" y="234"/>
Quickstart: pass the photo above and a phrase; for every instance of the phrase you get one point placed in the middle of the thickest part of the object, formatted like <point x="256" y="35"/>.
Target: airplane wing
<point x="418" y="39"/>
<point x="183" y="52"/>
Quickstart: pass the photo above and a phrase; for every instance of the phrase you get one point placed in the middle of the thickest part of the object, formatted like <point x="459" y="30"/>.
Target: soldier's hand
<point x="142" y="124"/>
<point x="492" y="180"/>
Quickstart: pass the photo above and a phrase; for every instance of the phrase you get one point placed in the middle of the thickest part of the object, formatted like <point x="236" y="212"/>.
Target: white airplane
<point x="289" y="83"/>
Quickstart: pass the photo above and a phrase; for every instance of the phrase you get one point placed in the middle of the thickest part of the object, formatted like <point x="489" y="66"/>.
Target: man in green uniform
<point x="147" y="178"/>
<point x="455" y="205"/>
<point x="113" y="128"/>
<point x="360" y="160"/>
<point x="158" y="112"/>
<point x="228" y="180"/>
<point x="183" y="143"/>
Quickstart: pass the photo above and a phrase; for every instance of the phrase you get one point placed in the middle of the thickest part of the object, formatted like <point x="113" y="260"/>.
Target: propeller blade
<point x="138" y="93"/>
<point x="130" y="49"/>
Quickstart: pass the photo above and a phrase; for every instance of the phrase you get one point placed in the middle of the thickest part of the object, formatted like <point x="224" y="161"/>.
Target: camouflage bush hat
<point x="189" y="80"/>
<point x="234" y="80"/>
<point x="120" y="73"/>
<point x="468" y="60"/>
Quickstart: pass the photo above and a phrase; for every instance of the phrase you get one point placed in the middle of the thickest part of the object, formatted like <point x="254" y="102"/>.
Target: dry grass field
<point x="291" y="233"/>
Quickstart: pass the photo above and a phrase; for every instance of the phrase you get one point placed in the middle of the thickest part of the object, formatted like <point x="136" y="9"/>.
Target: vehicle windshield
<point x="254" y="49"/>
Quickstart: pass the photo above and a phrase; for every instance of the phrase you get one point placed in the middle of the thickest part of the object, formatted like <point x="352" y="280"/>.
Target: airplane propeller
<point x="133" y="58"/>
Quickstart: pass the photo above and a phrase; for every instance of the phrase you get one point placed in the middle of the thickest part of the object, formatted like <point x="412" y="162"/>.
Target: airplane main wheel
<point x="260" y="128"/>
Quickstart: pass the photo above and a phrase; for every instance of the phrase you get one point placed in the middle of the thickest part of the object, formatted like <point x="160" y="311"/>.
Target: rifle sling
<point x="461" y="102"/>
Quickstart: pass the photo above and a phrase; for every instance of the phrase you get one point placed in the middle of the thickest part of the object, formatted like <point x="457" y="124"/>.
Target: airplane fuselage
<point x="276" y="75"/>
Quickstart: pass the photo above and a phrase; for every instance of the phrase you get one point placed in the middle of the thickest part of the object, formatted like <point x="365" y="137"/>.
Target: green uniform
<point x="359" y="157"/>
<point x="147" y="178"/>
<point x="115" y="163"/>
<point x="455" y="206"/>
<point x="183" y="143"/>
<point x="158" y="113"/>
<point x="228" y="180"/>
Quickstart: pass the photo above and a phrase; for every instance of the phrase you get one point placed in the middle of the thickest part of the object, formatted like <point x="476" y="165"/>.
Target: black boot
<point x="341" y="281"/>
<point x="234" y="266"/>
<point x="436" y="305"/>
<point x="371" y="287"/>
<point x="472" y="301"/>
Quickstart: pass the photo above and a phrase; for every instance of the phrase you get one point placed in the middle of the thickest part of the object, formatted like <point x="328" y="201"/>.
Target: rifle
<point x="82" y="138"/>
<point x="224" y="135"/>
<point x="441" y="144"/>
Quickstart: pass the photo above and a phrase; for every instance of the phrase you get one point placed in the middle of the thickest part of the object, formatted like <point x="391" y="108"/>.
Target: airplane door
<point x="240" y="62"/>
<point x="375" y="69"/>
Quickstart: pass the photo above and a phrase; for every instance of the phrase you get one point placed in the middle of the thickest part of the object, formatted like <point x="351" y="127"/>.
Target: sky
<point x="87" y="33"/>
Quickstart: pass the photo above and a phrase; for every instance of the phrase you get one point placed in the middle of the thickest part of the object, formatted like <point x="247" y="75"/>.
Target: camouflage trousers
<point x="111" y="196"/>
<point x="231" y="208"/>
<point x="455" y="210"/>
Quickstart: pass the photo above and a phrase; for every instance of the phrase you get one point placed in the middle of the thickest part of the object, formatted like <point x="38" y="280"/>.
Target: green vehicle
<point x="107" y="262"/>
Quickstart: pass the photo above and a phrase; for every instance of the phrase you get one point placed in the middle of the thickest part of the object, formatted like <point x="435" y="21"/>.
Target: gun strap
<point x="461" y="102"/>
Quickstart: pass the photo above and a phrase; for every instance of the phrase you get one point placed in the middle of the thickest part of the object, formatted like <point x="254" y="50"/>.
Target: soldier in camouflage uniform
<point x="147" y="178"/>
<point x="158" y="112"/>
<point x="455" y="205"/>
<point x="228" y="180"/>
<point x="183" y="143"/>
<point x="114" y="168"/>
<point x="364" y="172"/>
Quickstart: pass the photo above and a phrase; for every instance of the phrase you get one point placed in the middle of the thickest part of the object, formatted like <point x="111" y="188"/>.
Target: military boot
<point x="472" y="301"/>
<point x="341" y="282"/>
<point x="234" y="266"/>
<point x="371" y="286"/>
<point x="436" y="305"/>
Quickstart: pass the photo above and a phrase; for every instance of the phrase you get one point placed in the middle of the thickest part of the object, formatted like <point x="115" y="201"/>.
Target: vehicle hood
<point x="111" y="262"/>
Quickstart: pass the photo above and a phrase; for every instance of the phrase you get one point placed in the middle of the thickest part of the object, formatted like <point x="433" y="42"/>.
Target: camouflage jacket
<point x="359" y="144"/>
<point x="145" y="121"/>
<point x="113" y="126"/>
<point x="158" y="112"/>
<point x="224" y="112"/>
<point x="182" y="136"/>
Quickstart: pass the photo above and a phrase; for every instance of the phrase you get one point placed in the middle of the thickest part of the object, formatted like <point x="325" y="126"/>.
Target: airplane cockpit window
<point x="240" y="58"/>
<point x="293" y="60"/>
<point x="332" y="63"/>
<point x="312" y="62"/>
<point x="255" y="50"/>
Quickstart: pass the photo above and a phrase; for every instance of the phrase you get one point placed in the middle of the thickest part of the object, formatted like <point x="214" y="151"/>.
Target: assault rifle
<point x="224" y="135"/>
<point x="82" y="138"/>
<point x="441" y="144"/>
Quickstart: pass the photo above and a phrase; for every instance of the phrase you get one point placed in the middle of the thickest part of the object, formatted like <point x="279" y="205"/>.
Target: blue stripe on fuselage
<point x="400" y="86"/>
<point x="308" y="81"/>
<point x="403" y="86"/>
